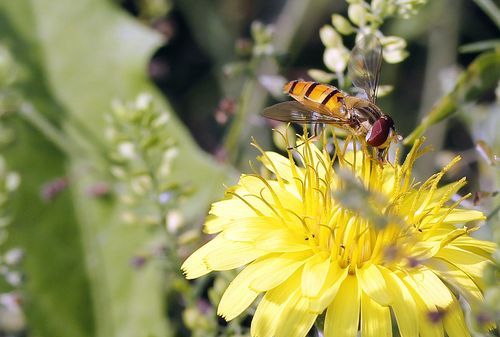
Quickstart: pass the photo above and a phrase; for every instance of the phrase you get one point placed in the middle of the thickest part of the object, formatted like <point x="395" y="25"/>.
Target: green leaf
<point x="491" y="9"/>
<point x="482" y="74"/>
<point x="480" y="46"/>
<point x="77" y="57"/>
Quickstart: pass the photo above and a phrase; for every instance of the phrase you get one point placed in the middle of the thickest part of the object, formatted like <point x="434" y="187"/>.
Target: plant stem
<point x="441" y="54"/>
<point x="171" y="240"/>
<point x="231" y="141"/>
<point x="36" y="119"/>
<point x="490" y="9"/>
<point x="287" y="27"/>
<point x="63" y="141"/>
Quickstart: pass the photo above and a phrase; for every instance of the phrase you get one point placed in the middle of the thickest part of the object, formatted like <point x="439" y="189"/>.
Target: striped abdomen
<point x="314" y="94"/>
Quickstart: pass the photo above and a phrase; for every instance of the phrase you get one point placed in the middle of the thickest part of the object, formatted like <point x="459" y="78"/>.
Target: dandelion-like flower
<point x="348" y="235"/>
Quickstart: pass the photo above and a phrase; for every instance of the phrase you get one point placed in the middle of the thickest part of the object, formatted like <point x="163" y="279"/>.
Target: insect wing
<point x="364" y="65"/>
<point x="293" y="111"/>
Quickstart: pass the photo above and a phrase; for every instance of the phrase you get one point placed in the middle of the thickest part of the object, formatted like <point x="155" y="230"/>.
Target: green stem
<point x="171" y="241"/>
<point x="36" y="119"/>
<point x="289" y="29"/>
<point x="490" y="9"/>
<point x="64" y="140"/>
<point x="233" y="136"/>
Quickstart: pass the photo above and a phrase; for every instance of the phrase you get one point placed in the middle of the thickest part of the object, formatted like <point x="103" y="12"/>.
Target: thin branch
<point x="490" y="9"/>
<point x="36" y="119"/>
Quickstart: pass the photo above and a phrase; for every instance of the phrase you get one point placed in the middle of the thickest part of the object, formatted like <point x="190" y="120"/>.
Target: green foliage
<point x="9" y="182"/>
<point x="100" y="151"/>
<point x="77" y="249"/>
<point x="482" y="74"/>
<point x="142" y="156"/>
<point x="491" y="9"/>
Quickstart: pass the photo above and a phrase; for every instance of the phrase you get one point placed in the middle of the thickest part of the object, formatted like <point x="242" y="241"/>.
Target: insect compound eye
<point x="379" y="132"/>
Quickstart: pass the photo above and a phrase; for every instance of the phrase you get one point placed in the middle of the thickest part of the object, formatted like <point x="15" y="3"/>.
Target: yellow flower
<point x="347" y="235"/>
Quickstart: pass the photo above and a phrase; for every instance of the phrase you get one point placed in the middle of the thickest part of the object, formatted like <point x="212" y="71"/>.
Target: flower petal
<point x="250" y="229"/>
<point x="333" y="281"/>
<point x="486" y="248"/>
<point x="403" y="304"/>
<point x="277" y="269"/>
<point x="427" y="326"/>
<point x="295" y="319"/>
<point x="214" y="224"/>
<point x="342" y="316"/>
<point x="314" y="274"/>
<point x="375" y="319"/>
<point x="454" y="322"/>
<point x="281" y="240"/>
<point x="264" y="322"/>
<point x="279" y="165"/>
<point x="272" y="191"/>
<point x="429" y="287"/>
<point x="238" y="295"/>
<point x="232" y="255"/>
<point x="232" y="208"/>
<point x="195" y="265"/>
<point x="467" y="261"/>
<point x="458" y="279"/>
<point x="373" y="284"/>
<point x="462" y="216"/>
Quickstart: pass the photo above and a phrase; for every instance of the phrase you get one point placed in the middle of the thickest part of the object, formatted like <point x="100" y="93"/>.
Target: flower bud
<point x="395" y="56"/>
<point x="335" y="59"/>
<point x="393" y="42"/>
<point x="342" y="25"/>
<point x="357" y="14"/>
<point x="321" y="76"/>
<point x="329" y="37"/>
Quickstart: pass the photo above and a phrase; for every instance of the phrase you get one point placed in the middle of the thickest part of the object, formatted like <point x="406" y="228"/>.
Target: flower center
<point x="353" y="240"/>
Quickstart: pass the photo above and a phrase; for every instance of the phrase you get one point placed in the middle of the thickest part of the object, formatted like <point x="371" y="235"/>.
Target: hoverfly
<point x="319" y="103"/>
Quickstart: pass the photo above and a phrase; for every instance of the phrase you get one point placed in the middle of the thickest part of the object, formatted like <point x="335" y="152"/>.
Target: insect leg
<point x="317" y="129"/>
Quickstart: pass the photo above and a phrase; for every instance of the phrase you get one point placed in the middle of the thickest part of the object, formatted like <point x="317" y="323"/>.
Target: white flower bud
<point x="395" y="56"/>
<point x="393" y="42"/>
<point x="329" y="37"/>
<point x="394" y="49"/>
<point x="12" y="181"/>
<point x="342" y="25"/>
<point x="140" y="185"/>
<point x="119" y="109"/>
<point x="320" y="76"/>
<point x="335" y="59"/>
<point x="14" y="256"/>
<point x="175" y="220"/>
<point x="382" y="8"/>
<point x="384" y="90"/>
<point x="127" y="150"/>
<point x="144" y="101"/>
<point x="357" y="14"/>
<point x="161" y="120"/>
<point x="118" y="172"/>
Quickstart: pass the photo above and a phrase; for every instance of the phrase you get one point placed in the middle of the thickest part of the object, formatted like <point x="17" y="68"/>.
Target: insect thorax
<point x="364" y="111"/>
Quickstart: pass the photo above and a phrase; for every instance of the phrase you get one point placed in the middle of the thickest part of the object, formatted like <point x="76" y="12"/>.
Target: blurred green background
<point x="91" y="265"/>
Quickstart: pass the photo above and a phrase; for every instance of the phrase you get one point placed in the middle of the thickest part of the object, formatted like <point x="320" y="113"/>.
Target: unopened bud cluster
<point x="259" y="46"/>
<point x="142" y="154"/>
<point x="363" y="18"/>
<point x="12" y="317"/>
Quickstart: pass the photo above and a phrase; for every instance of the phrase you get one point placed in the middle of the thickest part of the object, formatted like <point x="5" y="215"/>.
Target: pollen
<point x="347" y="234"/>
